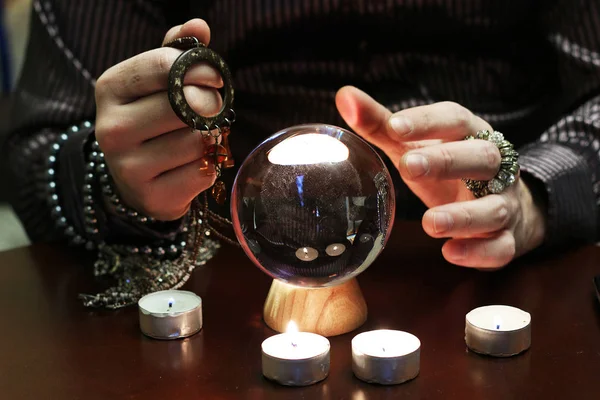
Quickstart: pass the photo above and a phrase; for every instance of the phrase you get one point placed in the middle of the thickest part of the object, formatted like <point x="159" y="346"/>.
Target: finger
<point x="146" y="74"/>
<point x="488" y="253"/>
<point x="195" y="27"/>
<point x="366" y="117"/>
<point x="171" y="150"/>
<point x="473" y="159"/>
<point x="177" y="188"/>
<point x="171" y="34"/>
<point x="154" y="115"/>
<point x="468" y="218"/>
<point x="445" y="120"/>
<point x="129" y="125"/>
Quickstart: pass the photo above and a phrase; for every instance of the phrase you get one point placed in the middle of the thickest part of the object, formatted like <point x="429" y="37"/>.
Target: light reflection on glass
<point x="308" y="148"/>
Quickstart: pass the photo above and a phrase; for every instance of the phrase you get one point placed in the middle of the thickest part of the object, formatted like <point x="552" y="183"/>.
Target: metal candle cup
<point x="170" y="314"/>
<point x="295" y="358"/>
<point x="386" y="357"/>
<point x="499" y="331"/>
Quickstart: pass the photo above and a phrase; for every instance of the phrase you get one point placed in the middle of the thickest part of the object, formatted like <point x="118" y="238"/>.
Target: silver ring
<point x="509" y="167"/>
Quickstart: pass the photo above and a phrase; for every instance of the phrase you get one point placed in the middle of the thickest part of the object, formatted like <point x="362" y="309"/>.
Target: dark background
<point x="14" y="25"/>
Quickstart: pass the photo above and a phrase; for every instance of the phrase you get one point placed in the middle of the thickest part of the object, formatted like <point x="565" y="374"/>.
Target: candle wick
<point x="497" y="326"/>
<point x="383" y="348"/>
<point x="170" y="304"/>
<point x="294" y="344"/>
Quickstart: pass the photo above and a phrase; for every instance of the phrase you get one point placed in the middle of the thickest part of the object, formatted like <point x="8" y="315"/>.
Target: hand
<point x="153" y="156"/>
<point x="425" y="143"/>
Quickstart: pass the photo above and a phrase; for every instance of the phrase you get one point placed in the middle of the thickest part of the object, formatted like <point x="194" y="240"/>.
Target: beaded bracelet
<point x="109" y="190"/>
<point x="60" y="220"/>
<point x="92" y="239"/>
<point x="96" y="166"/>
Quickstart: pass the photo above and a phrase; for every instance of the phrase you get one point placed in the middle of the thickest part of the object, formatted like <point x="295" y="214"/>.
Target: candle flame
<point x="291" y="327"/>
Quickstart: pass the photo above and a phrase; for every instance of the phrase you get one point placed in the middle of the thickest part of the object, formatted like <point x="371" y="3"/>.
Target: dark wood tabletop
<point x="51" y="347"/>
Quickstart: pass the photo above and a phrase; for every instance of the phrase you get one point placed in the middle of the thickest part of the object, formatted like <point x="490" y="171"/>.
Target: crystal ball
<point x="313" y="205"/>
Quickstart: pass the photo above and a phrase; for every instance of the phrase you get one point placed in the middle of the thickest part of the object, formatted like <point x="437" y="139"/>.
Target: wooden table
<point x="53" y="348"/>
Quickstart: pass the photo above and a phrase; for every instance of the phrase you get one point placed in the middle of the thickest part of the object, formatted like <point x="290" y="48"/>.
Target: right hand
<point x="153" y="156"/>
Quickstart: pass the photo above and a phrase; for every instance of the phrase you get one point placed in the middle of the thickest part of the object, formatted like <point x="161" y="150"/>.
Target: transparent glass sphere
<point x="313" y="205"/>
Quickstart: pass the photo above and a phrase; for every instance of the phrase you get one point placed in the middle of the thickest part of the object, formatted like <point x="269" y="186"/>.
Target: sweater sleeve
<point x="71" y="43"/>
<point x="566" y="157"/>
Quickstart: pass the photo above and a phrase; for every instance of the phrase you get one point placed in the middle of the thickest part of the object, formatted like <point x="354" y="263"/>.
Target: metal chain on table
<point x="140" y="274"/>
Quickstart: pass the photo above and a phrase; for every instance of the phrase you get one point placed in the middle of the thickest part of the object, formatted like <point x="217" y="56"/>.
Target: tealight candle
<point x="307" y="254"/>
<point x="499" y="331"/>
<point x="385" y="356"/>
<point x="170" y="314"/>
<point x="295" y="358"/>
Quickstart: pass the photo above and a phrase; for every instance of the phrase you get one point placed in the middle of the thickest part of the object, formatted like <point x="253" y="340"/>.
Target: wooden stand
<point x="327" y="311"/>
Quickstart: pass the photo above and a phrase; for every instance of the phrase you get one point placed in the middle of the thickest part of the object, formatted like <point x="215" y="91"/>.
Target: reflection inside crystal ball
<point x="313" y="205"/>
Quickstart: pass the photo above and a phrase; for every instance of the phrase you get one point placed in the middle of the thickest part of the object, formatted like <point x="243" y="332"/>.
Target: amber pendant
<point x="219" y="192"/>
<point x="204" y="164"/>
<point x="228" y="162"/>
<point x="217" y="153"/>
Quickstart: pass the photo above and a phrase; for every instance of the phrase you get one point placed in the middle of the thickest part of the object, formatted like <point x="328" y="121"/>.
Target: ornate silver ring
<point x="509" y="167"/>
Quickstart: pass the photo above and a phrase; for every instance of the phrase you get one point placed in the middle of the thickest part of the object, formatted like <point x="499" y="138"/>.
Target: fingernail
<point x="416" y="165"/>
<point x="401" y="125"/>
<point x="442" y="222"/>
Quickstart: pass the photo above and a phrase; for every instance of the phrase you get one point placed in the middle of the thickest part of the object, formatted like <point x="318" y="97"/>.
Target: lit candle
<point x="385" y="356"/>
<point x="499" y="331"/>
<point x="307" y="254"/>
<point x="170" y="314"/>
<point x="335" y="249"/>
<point x="295" y="358"/>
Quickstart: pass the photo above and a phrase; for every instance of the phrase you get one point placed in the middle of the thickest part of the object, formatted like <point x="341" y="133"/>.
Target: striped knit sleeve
<point x="71" y="43"/>
<point x="567" y="156"/>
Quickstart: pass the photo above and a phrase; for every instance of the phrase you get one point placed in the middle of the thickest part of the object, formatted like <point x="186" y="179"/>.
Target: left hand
<point x="426" y="145"/>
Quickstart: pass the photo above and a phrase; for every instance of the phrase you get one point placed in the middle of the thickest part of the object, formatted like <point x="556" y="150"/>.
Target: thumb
<point x="367" y="118"/>
<point x="194" y="27"/>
